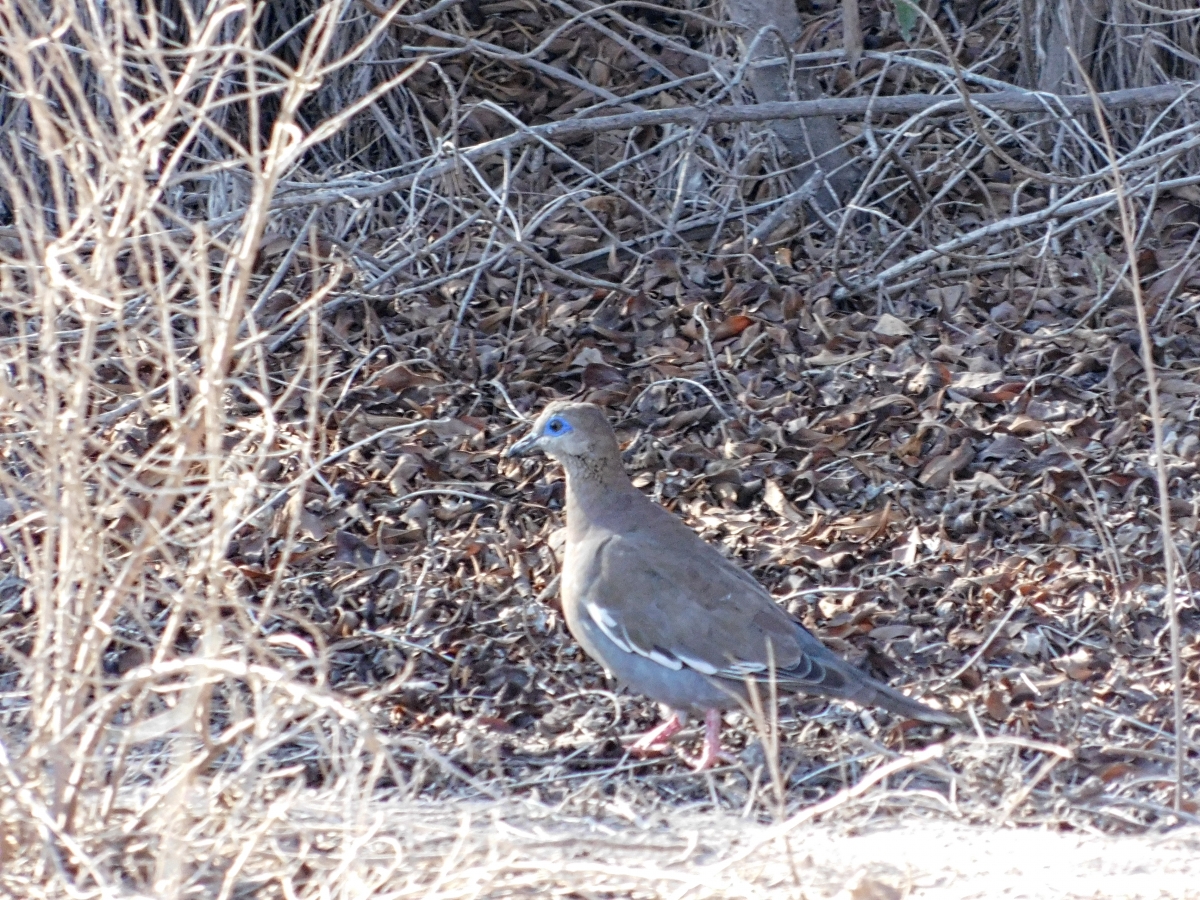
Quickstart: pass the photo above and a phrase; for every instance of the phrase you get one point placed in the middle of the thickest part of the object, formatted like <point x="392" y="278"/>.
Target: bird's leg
<point x="654" y="741"/>
<point x="712" y="752"/>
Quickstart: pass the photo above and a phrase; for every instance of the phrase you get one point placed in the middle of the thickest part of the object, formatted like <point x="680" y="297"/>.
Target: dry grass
<point x="275" y="619"/>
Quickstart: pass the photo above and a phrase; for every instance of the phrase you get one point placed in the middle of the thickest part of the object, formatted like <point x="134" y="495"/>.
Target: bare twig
<point x="1170" y="556"/>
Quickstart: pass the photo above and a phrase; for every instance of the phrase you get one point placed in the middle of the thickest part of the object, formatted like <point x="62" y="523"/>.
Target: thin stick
<point x="1170" y="557"/>
<point x="982" y="648"/>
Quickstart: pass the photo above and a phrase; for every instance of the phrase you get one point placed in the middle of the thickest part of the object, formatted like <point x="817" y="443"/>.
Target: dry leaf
<point x="731" y="327"/>
<point x="779" y="504"/>
<point x="588" y="356"/>
<point x="596" y="375"/>
<point x="996" y="705"/>
<point x="938" y="472"/>
<point x="1115" y="770"/>
<point x="889" y="326"/>
<point x="827" y="358"/>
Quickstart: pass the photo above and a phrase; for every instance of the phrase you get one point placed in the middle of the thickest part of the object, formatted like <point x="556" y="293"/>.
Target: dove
<point x="665" y="612"/>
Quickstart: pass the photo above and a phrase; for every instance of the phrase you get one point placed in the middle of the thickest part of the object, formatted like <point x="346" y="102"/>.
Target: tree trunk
<point x="812" y="142"/>
<point x="1051" y="27"/>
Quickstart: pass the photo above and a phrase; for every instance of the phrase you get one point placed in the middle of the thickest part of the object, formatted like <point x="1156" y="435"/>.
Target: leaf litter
<point x="941" y="464"/>
<point x="973" y="521"/>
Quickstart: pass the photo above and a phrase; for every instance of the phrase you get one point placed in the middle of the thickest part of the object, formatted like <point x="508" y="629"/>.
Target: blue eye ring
<point x="557" y="426"/>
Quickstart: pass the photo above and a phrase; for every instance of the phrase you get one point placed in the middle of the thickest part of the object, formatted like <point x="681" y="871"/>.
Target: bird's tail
<point x="821" y="671"/>
<point x="894" y="701"/>
<point x="825" y="673"/>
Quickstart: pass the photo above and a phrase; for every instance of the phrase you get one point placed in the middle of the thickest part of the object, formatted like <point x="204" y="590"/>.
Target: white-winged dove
<point x="665" y="612"/>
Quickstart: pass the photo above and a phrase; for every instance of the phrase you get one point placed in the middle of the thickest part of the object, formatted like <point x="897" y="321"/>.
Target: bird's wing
<point x="666" y="595"/>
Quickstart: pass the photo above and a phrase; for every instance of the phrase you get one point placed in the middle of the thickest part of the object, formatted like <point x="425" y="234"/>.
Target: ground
<point x="277" y="617"/>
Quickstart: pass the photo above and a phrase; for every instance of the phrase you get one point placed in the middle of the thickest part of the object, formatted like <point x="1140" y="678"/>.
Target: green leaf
<point x="906" y="17"/>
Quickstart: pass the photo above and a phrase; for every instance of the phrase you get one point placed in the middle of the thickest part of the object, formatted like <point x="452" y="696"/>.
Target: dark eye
<point x="556" y="426"/>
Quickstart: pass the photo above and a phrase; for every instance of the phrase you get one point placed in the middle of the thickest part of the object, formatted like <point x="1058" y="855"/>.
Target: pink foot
<point x="655" y="741"/>
<point x="712" y="753"/>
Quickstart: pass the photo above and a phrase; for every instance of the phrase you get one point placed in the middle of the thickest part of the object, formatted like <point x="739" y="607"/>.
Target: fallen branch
<point x="699" y="117"/>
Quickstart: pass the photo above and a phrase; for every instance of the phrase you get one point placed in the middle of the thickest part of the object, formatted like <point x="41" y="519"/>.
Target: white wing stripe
<point x="742" y="667"/>
<point x="619" y="636"/>
<point x="602" y="616"/>
<point x="672" y="660"/>
<point x="608" y="625"/>
<point x="658" y="656"/>
<point x="698" y="664"/>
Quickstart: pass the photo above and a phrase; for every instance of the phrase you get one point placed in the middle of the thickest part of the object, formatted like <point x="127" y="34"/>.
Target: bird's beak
<point x="523" y="447"/>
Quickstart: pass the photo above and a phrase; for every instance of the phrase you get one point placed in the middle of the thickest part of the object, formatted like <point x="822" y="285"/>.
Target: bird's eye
<point x="557" y="426"/>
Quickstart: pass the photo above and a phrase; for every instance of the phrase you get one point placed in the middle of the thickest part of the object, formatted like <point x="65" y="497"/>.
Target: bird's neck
<point x="599" y="494"/>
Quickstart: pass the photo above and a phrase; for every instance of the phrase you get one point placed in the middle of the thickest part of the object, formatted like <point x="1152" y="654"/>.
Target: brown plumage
<point x="665" y="612"/>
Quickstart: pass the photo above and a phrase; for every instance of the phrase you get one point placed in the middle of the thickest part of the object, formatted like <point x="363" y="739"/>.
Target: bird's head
<point x="570" y="432"/>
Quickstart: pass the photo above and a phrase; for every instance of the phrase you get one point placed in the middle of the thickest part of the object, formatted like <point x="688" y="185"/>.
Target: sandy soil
<point x="502" y="850"/>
